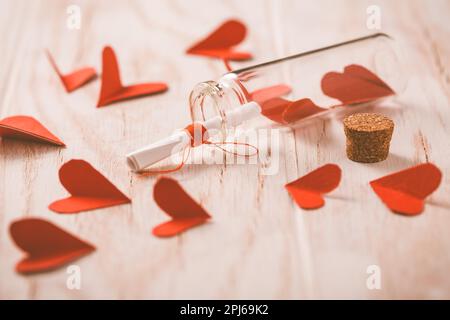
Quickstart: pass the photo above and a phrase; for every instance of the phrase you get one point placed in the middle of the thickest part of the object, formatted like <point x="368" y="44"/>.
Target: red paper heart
<point x="270" y="101"/>
<point x="75" y="79"/>
<point x="89" y="189"/>
<point x="355" y="85"/>
<point x="285" y="111"/>
<point x="307" y="191"/>
<point x="265" y="94"/>
<point x="220" y="43"/>
<point x="299" y="110"/>
<point x="184" y="211"/>
<point x="112" y="89"/>
<point x="27" y="128"/>
<point x="48" y="247"/>
<point x="274" y="109"/>
<point x="404" y="192"/>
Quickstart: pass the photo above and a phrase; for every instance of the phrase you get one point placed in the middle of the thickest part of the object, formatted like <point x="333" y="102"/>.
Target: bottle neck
<point x="215" y="98"/>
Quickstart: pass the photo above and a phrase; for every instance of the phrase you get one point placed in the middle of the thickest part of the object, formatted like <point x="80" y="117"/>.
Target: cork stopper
<point x="368" y="137"/>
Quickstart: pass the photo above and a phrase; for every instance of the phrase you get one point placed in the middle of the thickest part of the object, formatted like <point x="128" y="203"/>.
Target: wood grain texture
<point x="259" y="244"/>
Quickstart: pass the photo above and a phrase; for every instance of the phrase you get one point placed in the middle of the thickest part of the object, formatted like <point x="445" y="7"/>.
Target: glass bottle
<point x="299" y="77"/>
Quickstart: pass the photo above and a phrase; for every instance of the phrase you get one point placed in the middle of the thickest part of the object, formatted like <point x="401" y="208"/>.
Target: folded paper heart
<point x="27" y="128"/>
<point x="220" y="43"/>
<point x="112" y="89"/>
<point x="270" y="101"/>
<point x="308" y="190"/>
<point x="301" y="109"/>
<point x="268" y="93"/>
<point x="285" y="111"/>
<point x="74" y="79"/>
<point x="404" y="192"/>
<point x="274" y="108"/>
<point x="47" y="246"/>
<point x="89" y="189"/>
<point x="184" y="211"/>
<point x="355" y="85"/>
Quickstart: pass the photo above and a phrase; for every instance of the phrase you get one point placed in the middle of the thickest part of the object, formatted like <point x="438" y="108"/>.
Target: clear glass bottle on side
<point x="321" y="81"/>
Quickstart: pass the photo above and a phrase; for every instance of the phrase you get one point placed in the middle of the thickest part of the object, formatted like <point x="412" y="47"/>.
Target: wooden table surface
<point x="258" y="244"/>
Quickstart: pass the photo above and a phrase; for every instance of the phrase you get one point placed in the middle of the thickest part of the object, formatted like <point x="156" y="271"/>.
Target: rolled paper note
<point x="153" y="153"/>
<point x="368" y="137"/>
